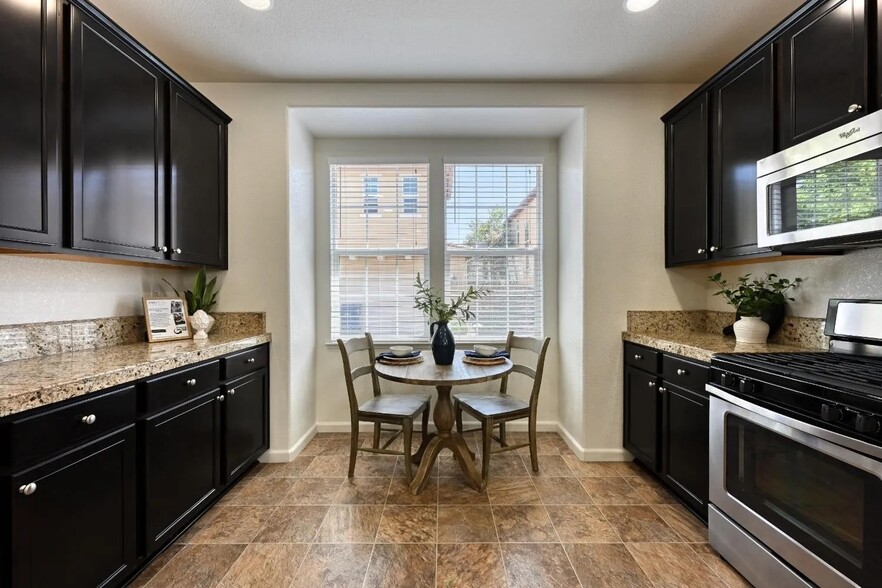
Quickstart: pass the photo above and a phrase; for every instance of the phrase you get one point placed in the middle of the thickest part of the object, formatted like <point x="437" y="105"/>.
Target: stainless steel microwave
<point x="824" y="192"/>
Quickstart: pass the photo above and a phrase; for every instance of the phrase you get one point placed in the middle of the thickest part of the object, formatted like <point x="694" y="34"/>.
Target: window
<point x="492" y="226"/>
<point x="371" y="195"/>
<point x="486" y="207"/>
<point x="375" y="258"/>
<point x="409" y="194"/>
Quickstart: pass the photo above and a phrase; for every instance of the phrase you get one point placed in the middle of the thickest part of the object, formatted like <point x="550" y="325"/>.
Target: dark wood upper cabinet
<point x="742" y="132"/>
<point x="686" y="189"/>
<point x="824" y="70"/>
<point x="117" y="144"/>
<point x="30" y="205"/>
<point x="198" y="165"/>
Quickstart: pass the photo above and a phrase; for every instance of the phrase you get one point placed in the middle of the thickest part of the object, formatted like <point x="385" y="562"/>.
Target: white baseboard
<point x="592" y="454"/>
<point x="286" y="455"/>
<point x="517" y="426"/>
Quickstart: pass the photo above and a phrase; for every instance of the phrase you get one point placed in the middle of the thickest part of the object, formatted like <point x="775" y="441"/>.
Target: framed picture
<point x="166" y="319"/>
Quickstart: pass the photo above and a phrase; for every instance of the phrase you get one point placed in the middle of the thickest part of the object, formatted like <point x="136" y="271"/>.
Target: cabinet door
<point x="76" y="525"/>
<point x="117" y="135"/>
<point x="824" y="66"/>
<point x="30" y="205"/>
<point x="246" y="422"/>
<point x="198" y="155"/>
<point x="685" y="445"/>
<point x="642" y="416"/>
<point x="181" y="465"/>
<point x="743" y="132"/>
<point x="686" y="214"/>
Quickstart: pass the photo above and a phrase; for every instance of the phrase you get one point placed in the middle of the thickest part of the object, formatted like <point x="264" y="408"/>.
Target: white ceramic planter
<point x="201" y="322"/>
<point x="751" y="330"/>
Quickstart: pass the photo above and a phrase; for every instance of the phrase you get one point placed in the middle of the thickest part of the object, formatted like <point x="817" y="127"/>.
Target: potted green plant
<point x="440" y="313"/>
<point x="200" y="300"/>
<point x="752" y="299"/>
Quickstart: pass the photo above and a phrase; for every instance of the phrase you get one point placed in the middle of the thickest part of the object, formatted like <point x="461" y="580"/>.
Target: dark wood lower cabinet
<point x="73" y="517"/>
<point x="245" y="408"/>
<point x="181" y="469"/>
<point x="666" y="425"/>
<point x="685" y="444"/>
<point x="92" y="510"/>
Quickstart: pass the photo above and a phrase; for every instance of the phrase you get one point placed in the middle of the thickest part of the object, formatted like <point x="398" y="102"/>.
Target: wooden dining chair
<point x="393" y="409"/>
<point x="495" y="410"/>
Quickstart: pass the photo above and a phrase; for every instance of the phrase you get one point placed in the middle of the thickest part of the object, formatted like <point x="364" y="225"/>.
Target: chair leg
<point x="457" y="410"/>
<point x="407" y="428"/>
<point x="487" y="433"/>
<point x="376" y="435"/>
<point x="534" y="459"/>
<point x="426" y="419"/>
<point x="353" y="448"/>
<point x="502" y="435"/>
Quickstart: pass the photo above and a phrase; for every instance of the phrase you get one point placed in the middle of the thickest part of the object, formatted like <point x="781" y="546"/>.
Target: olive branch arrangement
<point x="431" y="302"/>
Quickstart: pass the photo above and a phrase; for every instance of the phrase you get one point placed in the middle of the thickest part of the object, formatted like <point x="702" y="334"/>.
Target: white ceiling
<point x="436" y="122"/>
<point x="408" y="40"/>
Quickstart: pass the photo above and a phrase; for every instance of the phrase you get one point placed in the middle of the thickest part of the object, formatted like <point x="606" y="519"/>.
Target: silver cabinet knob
<point x="249" y="360"/>
<point x="191" y="382"/>
<point x="681" y="372"/>
<point x="178" y="250"/>
<point x="855" y="108"/>
<point x="700" y="251"/>
<point x="232" y="392"/>
<point x="638" y="357"/>
<point x="27" y="489"/>
<point x="714" y="248"/>
<point x="89" y="419"/>
<point x="662" y="390"/>
<point x="163" y="249"/>
<point x="221" y="398"/>
<point x="651" y="384"/>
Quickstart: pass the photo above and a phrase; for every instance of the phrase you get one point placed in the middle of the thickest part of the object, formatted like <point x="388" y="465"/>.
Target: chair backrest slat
<point x="347" y="348"/>
<point x="537" y="346"/>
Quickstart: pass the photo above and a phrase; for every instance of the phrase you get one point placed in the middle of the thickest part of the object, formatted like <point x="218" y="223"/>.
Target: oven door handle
<point x="852" y="451"/>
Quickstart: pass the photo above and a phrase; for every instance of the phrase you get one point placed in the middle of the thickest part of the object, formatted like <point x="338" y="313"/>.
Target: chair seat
<point x="403" y="405"/>
<point x="492" y="405"/>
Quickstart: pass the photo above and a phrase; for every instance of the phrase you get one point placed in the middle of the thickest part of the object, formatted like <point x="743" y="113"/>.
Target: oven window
<point x="815" y="499"/>
<point x="841" y="192"/>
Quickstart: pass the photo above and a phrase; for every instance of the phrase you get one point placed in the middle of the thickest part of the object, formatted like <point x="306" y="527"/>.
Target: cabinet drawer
<point x="166" y="390"/>
<point x="49" y="431"/>
<point x="686" y="374"/>
<point x="643" y="358"/>
<point x="245" y="362"/>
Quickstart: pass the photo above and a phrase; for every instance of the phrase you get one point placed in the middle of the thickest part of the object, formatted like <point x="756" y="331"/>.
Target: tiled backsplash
<point x="35" y="339"/>
<point x="799" y="331"/>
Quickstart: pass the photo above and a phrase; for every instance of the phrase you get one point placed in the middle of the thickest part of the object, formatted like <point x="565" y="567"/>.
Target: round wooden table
<point x="444" y="378"/>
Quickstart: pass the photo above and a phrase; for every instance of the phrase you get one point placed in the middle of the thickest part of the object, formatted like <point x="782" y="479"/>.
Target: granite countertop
<point x="703" y="346"/>
<point x="35" y="382"/>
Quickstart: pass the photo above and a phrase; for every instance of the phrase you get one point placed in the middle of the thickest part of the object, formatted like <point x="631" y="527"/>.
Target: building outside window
<point x="371" y="194"/>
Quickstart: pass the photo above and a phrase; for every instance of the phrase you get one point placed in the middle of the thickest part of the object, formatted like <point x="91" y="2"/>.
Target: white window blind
<point x="379" y="241"/>
<point x="493" y="227"/>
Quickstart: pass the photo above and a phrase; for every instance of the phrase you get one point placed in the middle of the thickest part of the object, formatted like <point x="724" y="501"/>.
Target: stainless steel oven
<point x="824" y="192"/>
<point x="793" y="504"/>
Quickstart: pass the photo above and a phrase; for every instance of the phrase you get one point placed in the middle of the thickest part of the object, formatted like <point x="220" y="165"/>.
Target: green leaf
<point x="191" y="302"/>
<point x="178" y="294"/>
<point x="199" y="286"/>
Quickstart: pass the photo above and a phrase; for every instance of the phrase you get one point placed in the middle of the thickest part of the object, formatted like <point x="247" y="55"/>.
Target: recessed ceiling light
<point x="258" y="4"/>
<point x="638" y="5"/>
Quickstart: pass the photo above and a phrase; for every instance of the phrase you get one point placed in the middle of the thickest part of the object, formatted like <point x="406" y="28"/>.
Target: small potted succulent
<point x="200" y="300"/>
<point x="757" y="303"/>
<point x="431" y="302"/>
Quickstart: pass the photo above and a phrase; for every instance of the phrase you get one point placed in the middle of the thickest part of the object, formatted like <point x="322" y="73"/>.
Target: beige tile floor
<point x="572" y="524"/>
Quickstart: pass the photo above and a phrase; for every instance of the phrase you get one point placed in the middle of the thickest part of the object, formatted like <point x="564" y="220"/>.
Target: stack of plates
<point x="475" y="360"/>
<point x="389" y="359"/>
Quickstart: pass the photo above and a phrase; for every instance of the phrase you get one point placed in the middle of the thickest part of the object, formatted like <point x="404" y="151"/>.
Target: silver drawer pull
<point x="28" y="489"/>
<point x="249" y="360"/>
<point x="638" y="357"/>
<point x="191" y="382"/>
<point x="89" y="419"/>
<point x="232" y="392"/>
<point x="651" y="384"/>
<point x="855" y="108"/>
<point x="221" y="397"/>
<point x="682" y="372"/>
<point x="662" y="390"/>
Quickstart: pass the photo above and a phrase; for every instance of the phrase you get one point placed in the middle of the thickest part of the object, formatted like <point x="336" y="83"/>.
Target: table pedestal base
<point x="445" y="438"/>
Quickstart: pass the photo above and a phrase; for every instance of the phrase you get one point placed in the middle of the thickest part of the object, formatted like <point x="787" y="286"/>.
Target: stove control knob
<point x="726" y="380"/>
<point x="746" y="387"/>
<point x="867" y="423"/>
<point x="831" y="413"/>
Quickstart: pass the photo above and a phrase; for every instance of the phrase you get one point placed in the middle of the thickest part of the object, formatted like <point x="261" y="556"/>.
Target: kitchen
<point x="598" y="134"/>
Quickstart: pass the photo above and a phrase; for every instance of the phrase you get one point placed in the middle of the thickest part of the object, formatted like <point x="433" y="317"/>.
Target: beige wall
<point x="622" y="258"/>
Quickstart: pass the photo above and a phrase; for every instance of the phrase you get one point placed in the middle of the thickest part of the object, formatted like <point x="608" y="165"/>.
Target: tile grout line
<point x="560" y="542"/>
<point x="377" y="532"/>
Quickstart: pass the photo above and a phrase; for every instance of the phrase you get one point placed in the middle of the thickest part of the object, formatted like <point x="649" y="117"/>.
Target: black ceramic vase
<point x="443" y="345"/>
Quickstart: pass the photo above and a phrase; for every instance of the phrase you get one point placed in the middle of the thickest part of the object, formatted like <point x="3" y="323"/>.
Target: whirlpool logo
<point x="849" y="132"/>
